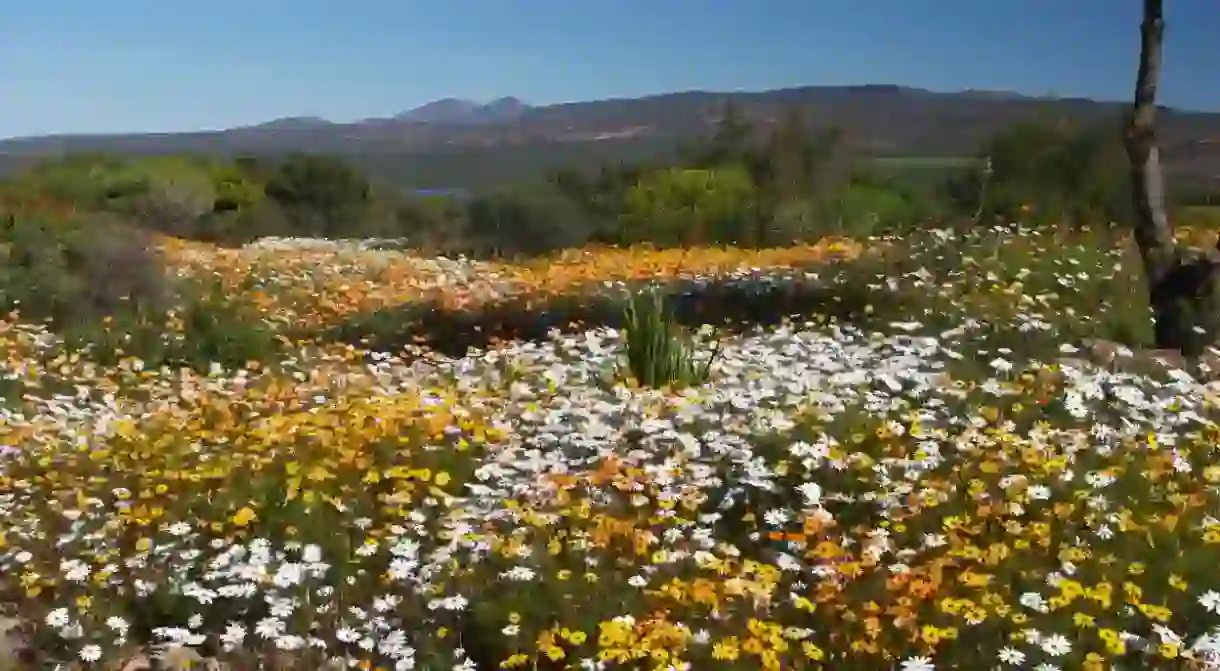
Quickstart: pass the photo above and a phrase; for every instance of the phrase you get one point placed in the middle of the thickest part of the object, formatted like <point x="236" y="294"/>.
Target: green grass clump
<point x="659" y="351"/>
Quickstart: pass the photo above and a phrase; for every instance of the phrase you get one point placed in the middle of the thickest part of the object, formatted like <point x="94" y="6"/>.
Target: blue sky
<point x="166" y="65"/>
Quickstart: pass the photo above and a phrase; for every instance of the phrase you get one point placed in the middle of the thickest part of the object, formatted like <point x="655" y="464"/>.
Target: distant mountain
<point x="457" y="111"/>
<point x="508" y="108"/>
<point x="989" y="94"/>
<point x="293" y="122"/>
<point x="447" y="110"/>
<point x="448" y="136"/>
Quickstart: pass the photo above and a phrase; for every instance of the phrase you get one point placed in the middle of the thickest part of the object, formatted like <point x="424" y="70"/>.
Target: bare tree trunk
<point x="1153" y="233"/>
<point x="1183" y="289"/>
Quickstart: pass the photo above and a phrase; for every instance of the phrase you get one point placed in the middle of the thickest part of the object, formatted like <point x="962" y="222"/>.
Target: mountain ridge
<point x="877" y="119"/>
<point x="454" y="110"/>
<point x="463" y="111"/>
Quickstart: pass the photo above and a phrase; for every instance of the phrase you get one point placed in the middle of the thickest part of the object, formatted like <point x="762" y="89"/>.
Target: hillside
<point x="456" y="143"/>
<point x="460" y="112"/>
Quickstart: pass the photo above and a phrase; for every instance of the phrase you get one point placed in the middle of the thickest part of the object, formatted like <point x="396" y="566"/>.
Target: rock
<point x="1105" y="352"/>
<point x="1120" y="358"/>
<point x="138" y="663"/>
<point x="14" y="646"/>
<point x="179" y="658"/>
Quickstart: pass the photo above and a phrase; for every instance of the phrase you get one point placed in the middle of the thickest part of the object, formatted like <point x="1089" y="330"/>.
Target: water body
<point x="451" y="193"/>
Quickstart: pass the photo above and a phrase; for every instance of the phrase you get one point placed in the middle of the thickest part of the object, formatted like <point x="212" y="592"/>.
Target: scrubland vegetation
<point x="766" y="407"/>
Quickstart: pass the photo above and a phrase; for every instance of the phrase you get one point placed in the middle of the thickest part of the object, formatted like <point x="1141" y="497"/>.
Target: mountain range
<point x="457" y="111"/>
<point x="435" y="144"/>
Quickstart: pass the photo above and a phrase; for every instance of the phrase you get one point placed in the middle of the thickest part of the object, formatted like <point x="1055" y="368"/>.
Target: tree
<point x="526" y="220"/>
<point x="732" y="143"/>
<point x="1067" y="174"/>
<point x="599" y="196"/>
<point x="1183" y="286"/>
<point x="787" y="166"/>
<point x="323" y="195"/>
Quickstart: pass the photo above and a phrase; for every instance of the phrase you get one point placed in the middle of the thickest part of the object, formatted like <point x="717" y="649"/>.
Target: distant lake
<point x="452" y="193"/>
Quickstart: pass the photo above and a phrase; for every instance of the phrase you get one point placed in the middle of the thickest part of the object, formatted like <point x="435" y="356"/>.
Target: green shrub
<point x="103" y="288"/>
<point x="677" y="207"/>
<point x="322" y="195"/>
<point x="236" y="188"/>
<point x="218" y="329"/>
<point x="526" y="220"/>
<point x="87" y="181"/>
<point x="795" y="220"/>
<point x="1054" y="173"/>
<point x="659" y="352"/>
<point x="206" y="328"/>
<point x="79" y="270"/>
<point x="172" y="203"/>
<point x="265" y="218"/>
<point x="862" y="209"/>
<point x="436" y="224"/>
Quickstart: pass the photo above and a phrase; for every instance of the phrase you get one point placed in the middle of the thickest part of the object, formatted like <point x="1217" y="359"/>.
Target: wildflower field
<point x="919" y="469"/>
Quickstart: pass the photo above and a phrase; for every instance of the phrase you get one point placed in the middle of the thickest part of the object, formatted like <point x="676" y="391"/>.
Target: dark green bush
<point x="322" y="195"/>
<point x="1053" y="173"/>
<point x="79" y="270"/>
<point x="526" y="220"/>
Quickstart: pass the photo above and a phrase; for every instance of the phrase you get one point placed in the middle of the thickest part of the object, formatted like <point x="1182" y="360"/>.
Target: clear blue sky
<point x="165" y="65"/>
